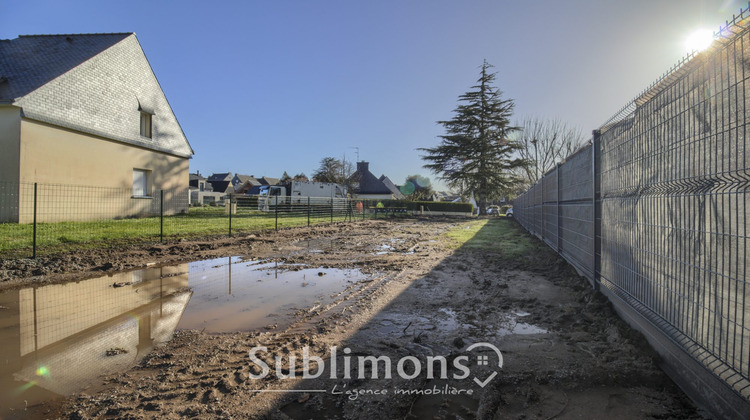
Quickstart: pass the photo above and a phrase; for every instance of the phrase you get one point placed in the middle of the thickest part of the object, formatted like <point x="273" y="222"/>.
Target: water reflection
<point x="57" y="339"/>
<point x="230" y="294"/>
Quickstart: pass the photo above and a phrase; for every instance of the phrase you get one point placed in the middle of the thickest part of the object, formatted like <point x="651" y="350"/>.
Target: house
<point x="201" y="192"/>
<point x="221" y="182"/>
<point x="239" y="180"/>
<point x="366" y="185"/>
<point x="199" y="182"/>
<point x="246" y="184"/>
<point x="268" y="181"/>
<point x="86" y="110"/>
<point x="397" y="194"/>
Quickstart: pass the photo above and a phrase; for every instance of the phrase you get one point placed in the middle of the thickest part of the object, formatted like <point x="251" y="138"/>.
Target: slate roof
<point x="242" y="179"/>
<point x="195" y="177"/>
<point x="368" y="183"/>
<point x="269" y="181"/>
<point x="222" y="186"/>
<point x="397" y="194"/>
<point x="31" y="61"/>
<point x="222" y="176"/>
<point x="92" y="83"/>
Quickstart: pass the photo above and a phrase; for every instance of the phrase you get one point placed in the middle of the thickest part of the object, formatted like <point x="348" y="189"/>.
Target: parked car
<point x="493" y="211"/>
<point x="509" y="212"/>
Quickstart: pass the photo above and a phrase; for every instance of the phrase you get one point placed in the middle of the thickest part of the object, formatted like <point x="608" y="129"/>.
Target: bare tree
<point x="545" y="143"/>
<point x="336" y="171"/>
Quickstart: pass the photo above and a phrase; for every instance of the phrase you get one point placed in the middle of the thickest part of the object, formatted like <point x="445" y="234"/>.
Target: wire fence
<point x="654" y="212"/>
<point x="44" y="219"/>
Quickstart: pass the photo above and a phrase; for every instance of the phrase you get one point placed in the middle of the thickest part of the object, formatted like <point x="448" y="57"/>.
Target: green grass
<point x="16" y="239"/>
<point x="500" y="235"/>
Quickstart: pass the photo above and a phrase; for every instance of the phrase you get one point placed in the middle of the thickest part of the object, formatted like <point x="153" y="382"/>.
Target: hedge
<point x="430" y="206"/>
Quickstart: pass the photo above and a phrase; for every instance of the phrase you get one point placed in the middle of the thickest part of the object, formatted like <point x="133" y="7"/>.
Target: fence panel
<point x="45" y="219"/>
<point x="576" y="210"/>
<point x="550" y="206"/>
<point x="655" y="214"/>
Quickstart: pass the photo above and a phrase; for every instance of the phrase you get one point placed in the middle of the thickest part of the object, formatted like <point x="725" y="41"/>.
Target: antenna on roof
<point x="357" y="149"/>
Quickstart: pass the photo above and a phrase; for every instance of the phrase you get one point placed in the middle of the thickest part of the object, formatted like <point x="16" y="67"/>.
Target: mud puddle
<point x="59" y="339"/>
<point x="234" y="295"/>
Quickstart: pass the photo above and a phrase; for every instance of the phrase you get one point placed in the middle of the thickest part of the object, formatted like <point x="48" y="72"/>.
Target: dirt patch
<point x="281" y="245"/>
<point x="565" y="353"/>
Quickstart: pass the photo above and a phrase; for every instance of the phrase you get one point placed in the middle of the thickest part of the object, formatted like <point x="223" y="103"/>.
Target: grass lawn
<point x="501" y="235"/>
<point x="17" y="239"/>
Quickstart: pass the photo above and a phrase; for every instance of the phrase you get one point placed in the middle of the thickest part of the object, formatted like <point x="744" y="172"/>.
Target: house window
<point x="140" y="182"/>
<point x="145" y="124"/>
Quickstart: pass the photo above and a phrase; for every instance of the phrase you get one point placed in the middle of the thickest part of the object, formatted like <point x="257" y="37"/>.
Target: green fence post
<point x="33" y="240"/>
<point x="276" y="213"/>
<point x="230" y="215"/>
<point x="308" y="211"/>
<point x="161" y="215"/>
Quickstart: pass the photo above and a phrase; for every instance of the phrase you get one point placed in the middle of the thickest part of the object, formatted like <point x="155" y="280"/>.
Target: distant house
<point x="397" y="194"/>
<point x="366" y="185"/>
<point x="268" y="181"/>
<point x="246" y="184"/>
<point x="86" y="110"/>
<point x="221" y="182"/>
<point x="201" y="191"/>
<point x="198" y="182"/>
<point x="239" y="180"/>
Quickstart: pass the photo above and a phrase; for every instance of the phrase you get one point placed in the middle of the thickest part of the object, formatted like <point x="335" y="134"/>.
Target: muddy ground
<point x="565" y="353"/>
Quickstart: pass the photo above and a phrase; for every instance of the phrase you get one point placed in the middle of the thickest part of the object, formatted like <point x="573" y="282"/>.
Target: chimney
<point x="363" y="167"/>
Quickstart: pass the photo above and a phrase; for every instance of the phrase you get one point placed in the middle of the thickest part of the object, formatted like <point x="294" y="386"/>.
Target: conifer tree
<point x="475" y="154"/>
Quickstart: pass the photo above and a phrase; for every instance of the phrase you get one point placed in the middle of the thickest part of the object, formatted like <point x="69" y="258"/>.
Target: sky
<point x="263" y="87"/>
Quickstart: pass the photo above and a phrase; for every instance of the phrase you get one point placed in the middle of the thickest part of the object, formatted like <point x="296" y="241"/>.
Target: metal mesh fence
<point x="44" y="219"/>
<point x="655" y="210"/>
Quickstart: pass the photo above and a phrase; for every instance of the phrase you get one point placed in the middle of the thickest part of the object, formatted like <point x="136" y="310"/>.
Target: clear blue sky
<point x="261" y="87"/>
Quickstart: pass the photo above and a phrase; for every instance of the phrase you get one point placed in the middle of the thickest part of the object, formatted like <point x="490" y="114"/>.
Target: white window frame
<point x="141" y="178"/>
<point x="147" y="124"/>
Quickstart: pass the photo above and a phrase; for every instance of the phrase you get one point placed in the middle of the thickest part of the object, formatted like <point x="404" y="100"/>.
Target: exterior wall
<point x="51" y="155"/>
<point x="199" y="197"/>
<point x="10" y="129"/>
<point x="78" y="136"/>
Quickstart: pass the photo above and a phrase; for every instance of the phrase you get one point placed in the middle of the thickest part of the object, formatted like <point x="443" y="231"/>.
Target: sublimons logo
<point x="407" y="367"/>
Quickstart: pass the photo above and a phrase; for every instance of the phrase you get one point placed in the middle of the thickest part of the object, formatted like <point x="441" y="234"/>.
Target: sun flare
<point x="699" y="40"/>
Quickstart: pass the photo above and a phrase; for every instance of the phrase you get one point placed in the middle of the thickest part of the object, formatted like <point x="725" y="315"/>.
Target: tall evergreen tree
<point x="475" y="154"/>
